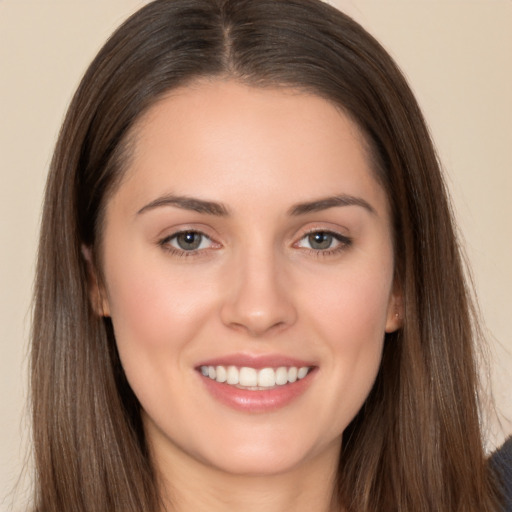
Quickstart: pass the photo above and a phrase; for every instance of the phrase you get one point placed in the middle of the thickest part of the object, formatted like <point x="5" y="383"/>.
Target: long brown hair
<point x="416" y="444"/>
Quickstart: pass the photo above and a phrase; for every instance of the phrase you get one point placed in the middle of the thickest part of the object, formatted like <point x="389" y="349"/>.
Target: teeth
<point x="252" y="378"/>
<point x="222" y="374"/>
<point x="302" y="373"/>
<point x="232" y="375"/>
<point x="281" y="376"/>
<point x="266" y="378"/>
<point x="248" y="377"/>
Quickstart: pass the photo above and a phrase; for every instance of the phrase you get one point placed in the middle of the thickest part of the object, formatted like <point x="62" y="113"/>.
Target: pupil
<point x="320" y="240"/>
<point x="189" y="241"/>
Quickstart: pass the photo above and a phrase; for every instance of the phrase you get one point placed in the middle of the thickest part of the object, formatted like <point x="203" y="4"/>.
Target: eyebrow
<point x="330" y="202"/>
<point x="187" y="203"/>
<point x="219" y="210"/>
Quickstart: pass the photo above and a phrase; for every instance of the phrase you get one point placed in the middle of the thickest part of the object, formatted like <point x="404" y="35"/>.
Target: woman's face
<point x="248" y="271"/>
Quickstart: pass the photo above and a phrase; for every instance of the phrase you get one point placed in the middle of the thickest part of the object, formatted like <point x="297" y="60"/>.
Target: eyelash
<point x="165" y="243"/>
<point x="343" y="243"/>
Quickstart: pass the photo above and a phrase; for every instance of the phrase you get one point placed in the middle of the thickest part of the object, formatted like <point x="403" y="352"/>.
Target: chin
<point x="258" y="464"/>
<point x="266" y="455"/>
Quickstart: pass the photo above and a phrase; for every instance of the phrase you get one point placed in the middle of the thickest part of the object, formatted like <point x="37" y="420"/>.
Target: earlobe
<point x="395" y="311"/>
<point x="97" y="294"/>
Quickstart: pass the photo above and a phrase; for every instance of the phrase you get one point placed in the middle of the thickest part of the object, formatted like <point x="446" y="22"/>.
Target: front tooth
<point x="221" y="374"/>
<point x="266" y="378"/>
<point x="292" y="374"/>
<point x="302" y="372"/>
<point x="281" y="376"/>
<point x="248" y="377"/>
<point x="211" y="372"/>
<point x="233" y="375"/>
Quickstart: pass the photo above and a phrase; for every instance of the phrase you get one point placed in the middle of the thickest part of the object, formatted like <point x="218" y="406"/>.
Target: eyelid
<point x="343" y="241"/>
<point x="164" y="242"/>
<point x="174" y="238"/>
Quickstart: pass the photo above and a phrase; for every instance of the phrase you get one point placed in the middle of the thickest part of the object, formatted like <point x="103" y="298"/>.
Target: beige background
<point x="457" y="55"/>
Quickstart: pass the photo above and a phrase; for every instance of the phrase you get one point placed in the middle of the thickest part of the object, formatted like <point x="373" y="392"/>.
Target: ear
<point x="97" y="294"/>
<point x="395" y="313"/>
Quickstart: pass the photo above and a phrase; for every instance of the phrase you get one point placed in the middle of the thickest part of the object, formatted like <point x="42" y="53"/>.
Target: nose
<point x="259" y="299"/>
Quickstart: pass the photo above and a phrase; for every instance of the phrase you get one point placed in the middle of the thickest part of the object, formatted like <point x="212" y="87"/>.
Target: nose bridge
<point x="259" y="298"/>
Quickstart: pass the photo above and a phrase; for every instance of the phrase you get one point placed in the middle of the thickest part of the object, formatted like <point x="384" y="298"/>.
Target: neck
<point x="187" y="484"/>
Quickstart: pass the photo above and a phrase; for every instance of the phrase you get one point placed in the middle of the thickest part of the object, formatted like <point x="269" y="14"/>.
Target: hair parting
<point x="416" y="444"/>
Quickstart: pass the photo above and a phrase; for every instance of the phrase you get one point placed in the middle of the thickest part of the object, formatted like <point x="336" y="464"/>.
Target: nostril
<point x="260" y="322"/>
<point x="257" y="299"/>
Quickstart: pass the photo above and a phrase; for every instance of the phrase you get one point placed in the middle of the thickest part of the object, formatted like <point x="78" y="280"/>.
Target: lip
<point x="257" y="401"/>
<point x="256" y="361"/>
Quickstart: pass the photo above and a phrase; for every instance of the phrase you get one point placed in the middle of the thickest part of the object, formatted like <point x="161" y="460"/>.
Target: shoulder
<point x="502" y="461"/>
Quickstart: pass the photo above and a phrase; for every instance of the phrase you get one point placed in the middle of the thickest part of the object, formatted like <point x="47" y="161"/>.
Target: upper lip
<point x="256" y="361"/>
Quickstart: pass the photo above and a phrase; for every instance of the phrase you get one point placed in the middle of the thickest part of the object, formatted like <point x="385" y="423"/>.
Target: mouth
<point x="256" y="384"/>
<point x="254" y="379"/>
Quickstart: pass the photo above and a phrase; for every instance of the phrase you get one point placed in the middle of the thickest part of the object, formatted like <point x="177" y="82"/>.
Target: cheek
<point x="350" y="319"/>
<point x="147" y="300"/>
<point x="353" y="309"/>
<point x="156" y="313"/>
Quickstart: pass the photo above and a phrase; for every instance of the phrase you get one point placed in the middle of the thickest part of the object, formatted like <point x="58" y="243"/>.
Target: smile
<point x="255" y="379"/>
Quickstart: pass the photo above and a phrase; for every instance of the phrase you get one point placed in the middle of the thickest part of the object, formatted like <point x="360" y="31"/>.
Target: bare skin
<point x="303" y="490"/>
<point x="249" y="228"/>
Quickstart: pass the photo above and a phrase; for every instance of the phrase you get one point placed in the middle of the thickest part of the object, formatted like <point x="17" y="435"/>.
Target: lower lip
<point x="258" y="401"/>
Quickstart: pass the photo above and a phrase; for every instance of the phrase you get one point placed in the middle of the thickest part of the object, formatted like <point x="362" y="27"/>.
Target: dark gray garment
<point x="502" y="461"/>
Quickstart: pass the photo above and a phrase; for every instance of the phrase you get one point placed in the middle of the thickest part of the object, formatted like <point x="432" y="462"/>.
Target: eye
<point x="187" y="241"/>
<point x="320" y="240"/>
<point x="324" y="241"/>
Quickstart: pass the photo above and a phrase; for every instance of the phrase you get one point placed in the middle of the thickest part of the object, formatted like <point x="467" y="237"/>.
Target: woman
<point x="249" y="291"/>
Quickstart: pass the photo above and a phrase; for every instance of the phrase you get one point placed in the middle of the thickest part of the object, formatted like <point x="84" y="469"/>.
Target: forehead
<point x="221" y="137"/>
